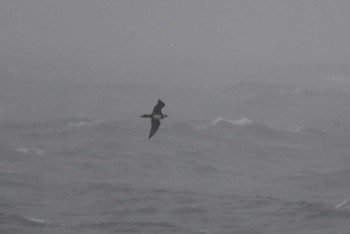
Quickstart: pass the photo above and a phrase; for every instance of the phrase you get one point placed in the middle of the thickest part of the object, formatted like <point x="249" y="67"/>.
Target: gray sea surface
<point x="84" y="175"/>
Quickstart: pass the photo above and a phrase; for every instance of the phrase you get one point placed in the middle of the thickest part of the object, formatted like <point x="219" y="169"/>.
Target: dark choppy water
<point x="84" y="176"/>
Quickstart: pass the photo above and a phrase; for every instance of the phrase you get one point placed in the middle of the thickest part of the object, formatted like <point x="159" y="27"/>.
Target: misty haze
<point x="258" y="134"/>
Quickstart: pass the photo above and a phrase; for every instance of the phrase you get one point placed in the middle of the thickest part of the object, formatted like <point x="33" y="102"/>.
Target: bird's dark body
<point x="155" y="117"/>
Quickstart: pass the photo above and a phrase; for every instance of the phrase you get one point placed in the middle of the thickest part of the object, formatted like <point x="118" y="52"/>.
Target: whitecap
<point x="240" y="122"/>
<point x="23" y="150"/>
<point x="83" y="123"/>
<point x="34" y="221"/>
<point x="295" y="129"/>
<point x="37" y="220"/>
<point x="342" y="204"/>
<point x="243" y="122"/>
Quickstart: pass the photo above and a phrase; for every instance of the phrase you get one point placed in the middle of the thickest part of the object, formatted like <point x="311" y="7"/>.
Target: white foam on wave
<point x="342" y="204"/>
<point x="83" y="123"/>
<point x="37" y="220"/>
<point x="83" y="120"/>
<point x="295" y="129"/>
<point x="240" y="122"/>
<point x="24" y="150"/>
<point x="243" y="122"/>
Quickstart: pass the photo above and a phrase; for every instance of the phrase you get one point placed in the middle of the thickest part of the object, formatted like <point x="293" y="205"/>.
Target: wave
<point x="220" y="120"/>
<point x="338" y="178"/>
<point x="82" y="120"/>
<point x="36" y="221"/>
<point x="330" y="180"/>
<point x="31" y="151"/>
<point x="23" y="220"/>
<point x="134" y="226"/>
<point x="342" y="204"/>
<point x="79" y="124"/>
<point x="246" y="129"/>
<point x="240" y="122"/>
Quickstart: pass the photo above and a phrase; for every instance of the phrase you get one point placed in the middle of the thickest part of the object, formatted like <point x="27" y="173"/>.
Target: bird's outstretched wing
<point x="158" y="108"/>
<point x="154" y="128"/>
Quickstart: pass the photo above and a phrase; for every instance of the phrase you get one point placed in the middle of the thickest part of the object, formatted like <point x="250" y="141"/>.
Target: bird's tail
<point x="146" y="116"/>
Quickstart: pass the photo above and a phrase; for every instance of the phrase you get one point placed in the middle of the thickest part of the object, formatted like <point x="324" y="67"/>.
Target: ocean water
<point x="82" y="175"/>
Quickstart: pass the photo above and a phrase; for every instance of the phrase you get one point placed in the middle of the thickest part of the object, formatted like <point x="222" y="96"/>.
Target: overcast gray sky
<point x="151" y="35"/>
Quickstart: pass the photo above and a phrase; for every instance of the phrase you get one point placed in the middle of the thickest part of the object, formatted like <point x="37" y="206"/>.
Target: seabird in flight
<point x="155" y="117"/>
